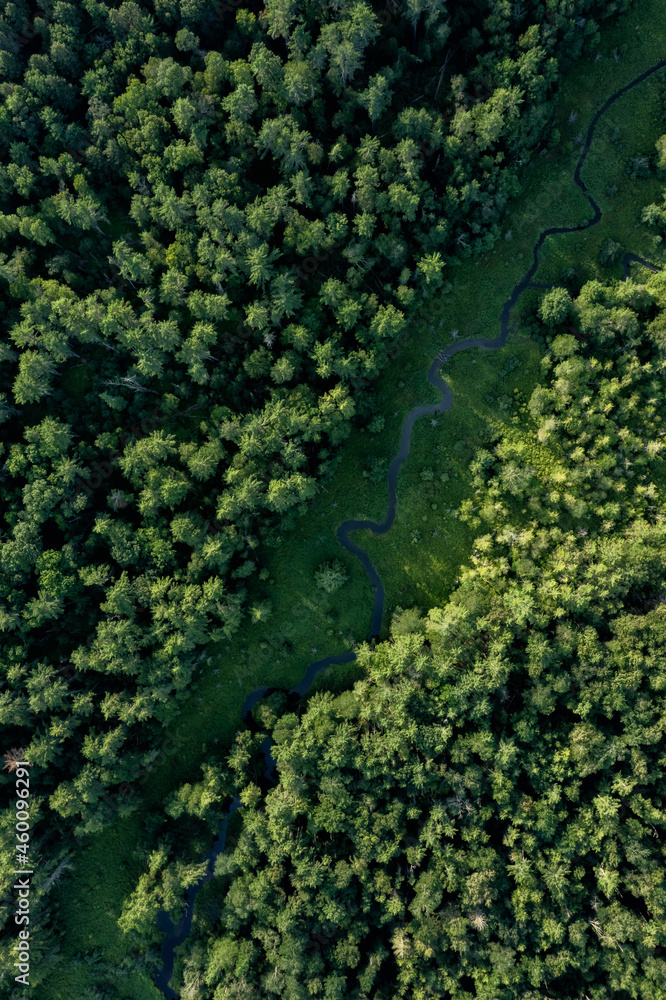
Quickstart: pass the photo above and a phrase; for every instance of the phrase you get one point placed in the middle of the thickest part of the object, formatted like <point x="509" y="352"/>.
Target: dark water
<point x="174" y="935"/>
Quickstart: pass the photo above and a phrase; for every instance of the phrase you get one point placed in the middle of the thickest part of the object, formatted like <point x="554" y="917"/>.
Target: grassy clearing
<point x="416" y="570"/>
<point x="630" y="128"/>
<point x="419" y="558"/>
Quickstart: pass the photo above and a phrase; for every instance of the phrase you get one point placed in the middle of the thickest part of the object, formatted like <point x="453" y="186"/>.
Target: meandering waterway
<point x="175" y="934"/>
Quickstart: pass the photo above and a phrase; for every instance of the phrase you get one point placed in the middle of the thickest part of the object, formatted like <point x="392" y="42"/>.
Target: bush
<point x="555" y="307"/>
<point x="610" y="253"/>
<point x="568" y="277"/>
<point x="660" y="158"/>
<point x="639" y="168"/>
<point x="330" y="576"/>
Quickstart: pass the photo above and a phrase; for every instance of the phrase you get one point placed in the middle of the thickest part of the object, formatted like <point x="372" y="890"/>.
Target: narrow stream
<point x="175" y="934"/>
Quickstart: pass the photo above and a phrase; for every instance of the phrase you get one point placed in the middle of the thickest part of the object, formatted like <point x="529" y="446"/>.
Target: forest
<point x="217" y="224"/>
<point x="207" y="256"/>
<point x="483" y="814"/>
<point x="179" y="366"/>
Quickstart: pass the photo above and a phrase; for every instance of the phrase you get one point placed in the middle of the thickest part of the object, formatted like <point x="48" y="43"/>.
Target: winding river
<point x="175" y="934"/>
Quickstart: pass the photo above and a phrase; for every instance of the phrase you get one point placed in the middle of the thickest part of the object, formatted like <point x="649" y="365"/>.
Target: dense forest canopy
<point x="211" y="229"/>
<point x="483" y="814"/>
<point x="215" y="224"/>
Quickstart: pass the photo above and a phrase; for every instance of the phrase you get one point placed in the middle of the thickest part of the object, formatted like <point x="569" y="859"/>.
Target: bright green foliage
<point x="555" y="307"/>
<point x="482" y="814"/>
<point x="209" y="234"/>
<point x="330" y="576"/>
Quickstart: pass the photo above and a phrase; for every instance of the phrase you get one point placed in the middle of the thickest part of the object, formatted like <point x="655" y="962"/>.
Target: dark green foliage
<point x="211" y="226"/>
<point x="330" y="576"/>
<point x="483" y="814"/>
<point x="568" y="277"/>
<point x="483" y="809"/>
<point x="639" y="168"/>
<point x="610" y="253"/>
<point x="656" y="214"/>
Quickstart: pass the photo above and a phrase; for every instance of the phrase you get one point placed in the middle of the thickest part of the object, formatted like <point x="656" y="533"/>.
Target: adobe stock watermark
<point x="393" y="11"/>
<point x="14" y="763"/>
<point x="319" y="940"/>
<point x="103" y="470"/>
<point x="26" y="35"/>
<point x="308" y="266"/>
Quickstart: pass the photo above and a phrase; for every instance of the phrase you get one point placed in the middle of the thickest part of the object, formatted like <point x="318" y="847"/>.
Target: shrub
<point x="639" y="168"/>
<point x="555" y="307"/>
<point x="610" y="253"/>
<point x="330" y="576"/>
